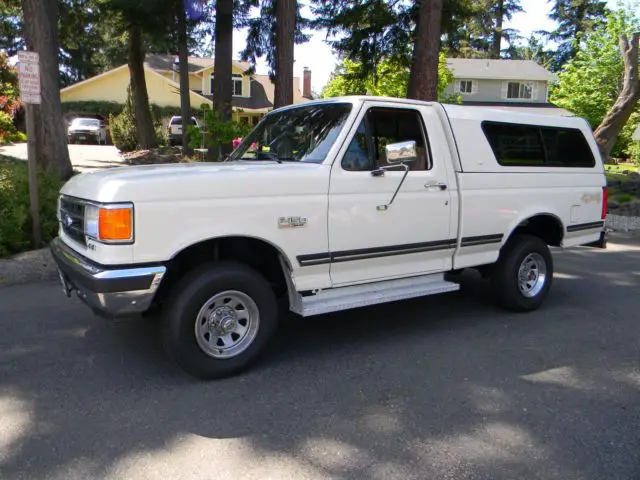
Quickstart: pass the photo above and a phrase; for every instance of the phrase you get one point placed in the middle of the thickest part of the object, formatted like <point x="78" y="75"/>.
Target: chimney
<point x="306" y="83"/>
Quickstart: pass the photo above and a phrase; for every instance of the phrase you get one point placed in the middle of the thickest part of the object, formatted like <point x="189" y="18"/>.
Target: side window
<point x="358" y="156"/>
<point x="515" y="145"/>
<point x="567" y="148"/>
<point x="395" y="125"/>
<point x="381" y="127"/>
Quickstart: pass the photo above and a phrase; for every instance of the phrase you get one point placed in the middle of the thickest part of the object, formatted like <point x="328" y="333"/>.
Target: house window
<point x="466" y="86"/>
<point x="236" y="80"/>
<point x="237" y="85"/>
<point x="517" y="90"/>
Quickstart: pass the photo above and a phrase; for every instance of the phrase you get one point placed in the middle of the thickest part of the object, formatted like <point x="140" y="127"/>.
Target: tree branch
<point x="614" y="121"/>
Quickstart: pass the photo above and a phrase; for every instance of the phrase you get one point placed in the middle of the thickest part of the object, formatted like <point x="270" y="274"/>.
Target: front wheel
<point x="219" y="320"/>
<point x="523" y="275"/>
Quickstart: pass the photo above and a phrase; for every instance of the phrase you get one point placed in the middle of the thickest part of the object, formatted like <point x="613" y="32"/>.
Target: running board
<point x="357" y="296"/>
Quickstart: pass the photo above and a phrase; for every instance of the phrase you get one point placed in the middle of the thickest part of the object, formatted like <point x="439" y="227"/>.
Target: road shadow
<point x="441" y="387"/>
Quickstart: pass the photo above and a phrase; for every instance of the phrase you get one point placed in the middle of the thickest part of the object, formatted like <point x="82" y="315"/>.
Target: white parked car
<point x="174" y="130"/>
<point x="326" y="206"/>
<point x="87" y="130"/>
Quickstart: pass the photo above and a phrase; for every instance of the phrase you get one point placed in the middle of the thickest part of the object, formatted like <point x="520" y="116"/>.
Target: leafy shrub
<point x="634" y="153"/>
<point x="123" y="127"/>
<point x="6" y="127"/>
<point x="15" y="217"/>
<point x="17" y="137"/>
<point x="216" y="132"/>
<point x="92" y="108"/>
<point x="161" y="134"/>
<point x="123" y="130"/>
<point x="624" y="198"/>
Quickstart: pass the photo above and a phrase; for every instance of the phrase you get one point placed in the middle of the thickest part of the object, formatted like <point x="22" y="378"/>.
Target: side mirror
<point x="401" y="152"/>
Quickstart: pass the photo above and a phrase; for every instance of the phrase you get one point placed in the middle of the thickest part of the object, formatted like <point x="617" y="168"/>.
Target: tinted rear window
<point x="516" y="145"/>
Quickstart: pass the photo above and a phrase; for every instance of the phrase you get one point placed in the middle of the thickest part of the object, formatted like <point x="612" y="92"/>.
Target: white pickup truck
<point x="331" y="205"/>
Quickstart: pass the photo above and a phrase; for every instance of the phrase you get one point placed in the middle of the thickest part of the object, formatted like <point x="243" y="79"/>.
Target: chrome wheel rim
<point x="227" y="324"/>
<point x="532" y="275"/>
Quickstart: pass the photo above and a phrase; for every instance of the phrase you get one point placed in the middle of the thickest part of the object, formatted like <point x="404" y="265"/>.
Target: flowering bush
<point x="9" y="102"/>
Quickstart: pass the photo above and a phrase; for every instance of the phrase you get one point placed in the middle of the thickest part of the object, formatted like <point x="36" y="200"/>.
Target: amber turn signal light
<point x="115" y="224"/>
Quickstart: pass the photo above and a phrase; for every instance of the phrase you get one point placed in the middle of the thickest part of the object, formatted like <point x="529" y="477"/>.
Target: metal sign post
<point x="29" y="79"/>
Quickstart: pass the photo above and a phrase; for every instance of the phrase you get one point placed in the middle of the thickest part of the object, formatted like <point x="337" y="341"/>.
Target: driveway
<point x="83" y="157"/>
<point x="446" y="387"/>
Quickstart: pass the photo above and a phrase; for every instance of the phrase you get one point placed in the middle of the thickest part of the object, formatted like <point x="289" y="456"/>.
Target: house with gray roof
<point x="521" y="85"/>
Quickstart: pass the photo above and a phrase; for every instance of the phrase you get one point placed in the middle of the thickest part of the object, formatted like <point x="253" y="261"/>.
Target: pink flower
<point x="236" y="142"/>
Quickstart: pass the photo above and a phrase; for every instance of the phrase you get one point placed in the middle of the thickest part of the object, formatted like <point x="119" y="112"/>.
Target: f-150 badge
<point x="292" y="222"/>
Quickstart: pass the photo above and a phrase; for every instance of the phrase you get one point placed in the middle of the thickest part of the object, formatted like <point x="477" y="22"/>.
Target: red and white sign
<point x="29" y="77"/>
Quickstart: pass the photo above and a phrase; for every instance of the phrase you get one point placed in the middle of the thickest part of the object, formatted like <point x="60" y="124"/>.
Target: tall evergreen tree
<point x="574" y="18"/>
<point x="144" y="21"/>
<point x="284" y="45"/>
<point x="423" y="81"/>
<point x="264" y="40"/>
<point x="532" y="49"/>
<point x="183" y="65"/>
<point x="11" y="39"/>
<point x="222" y="85"/>
<point x="500" y="11"/>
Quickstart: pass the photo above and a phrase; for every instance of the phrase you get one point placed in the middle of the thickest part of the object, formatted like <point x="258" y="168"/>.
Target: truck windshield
<point x="303" y="134"/>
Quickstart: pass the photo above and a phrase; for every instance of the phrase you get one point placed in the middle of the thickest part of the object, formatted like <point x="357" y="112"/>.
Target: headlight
<point x="109" y="223"/>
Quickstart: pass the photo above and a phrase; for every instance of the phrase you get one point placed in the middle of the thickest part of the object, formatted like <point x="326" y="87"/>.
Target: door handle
<point x="440" y="185"/>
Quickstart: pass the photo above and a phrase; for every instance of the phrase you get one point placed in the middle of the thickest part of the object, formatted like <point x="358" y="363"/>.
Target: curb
<point x="33" y="266"/>
<point x="623" y="223"/>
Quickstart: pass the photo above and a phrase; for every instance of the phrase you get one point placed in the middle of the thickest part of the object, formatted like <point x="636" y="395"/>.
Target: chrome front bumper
<point x="109" y="291"/>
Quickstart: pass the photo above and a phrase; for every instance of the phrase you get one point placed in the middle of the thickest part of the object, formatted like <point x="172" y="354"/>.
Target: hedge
<point x="105" y="109"/>
<point x="15" y="217"/>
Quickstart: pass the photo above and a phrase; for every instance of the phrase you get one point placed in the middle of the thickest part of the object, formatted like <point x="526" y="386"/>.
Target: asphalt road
<point x="441" y="388"/>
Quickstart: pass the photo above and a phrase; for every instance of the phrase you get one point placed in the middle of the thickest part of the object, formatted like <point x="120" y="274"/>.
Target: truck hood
<point x="194" y="181"/>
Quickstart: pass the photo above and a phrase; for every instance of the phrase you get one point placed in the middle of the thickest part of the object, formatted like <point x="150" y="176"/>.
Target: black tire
<point x="180" y="314"/>
<point x="504" y="275"/>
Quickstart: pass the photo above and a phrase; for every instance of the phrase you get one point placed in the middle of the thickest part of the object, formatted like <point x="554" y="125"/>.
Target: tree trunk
<point x="616" y="118"/>
<point x="496" y="44"/>
<point x="285" y="37"/>
<point x="423" y="81"/>
<point x="140" y="98"/>
<point x="41" y="32"/>
<point x="183" y="54"/>
<point x="222" y="84"/>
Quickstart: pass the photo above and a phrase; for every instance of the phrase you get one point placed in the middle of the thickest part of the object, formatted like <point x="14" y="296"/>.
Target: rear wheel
<point x="523" y="275"/>
<point x="219" y="320"/>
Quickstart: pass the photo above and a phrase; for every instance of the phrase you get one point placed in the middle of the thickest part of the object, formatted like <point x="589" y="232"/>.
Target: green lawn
<point x="621" y="168"/>
<point x="617" y="180"/>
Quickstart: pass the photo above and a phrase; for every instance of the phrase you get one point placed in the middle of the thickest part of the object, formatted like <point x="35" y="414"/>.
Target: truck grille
<point x="72" y="219"/>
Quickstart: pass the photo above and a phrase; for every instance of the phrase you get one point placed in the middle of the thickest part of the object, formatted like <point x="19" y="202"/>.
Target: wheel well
<point x="546" y="227"/>
<point x="257" y="254"/>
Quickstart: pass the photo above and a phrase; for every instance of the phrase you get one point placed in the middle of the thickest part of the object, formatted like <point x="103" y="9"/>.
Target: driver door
<point x="370" y="239"/>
